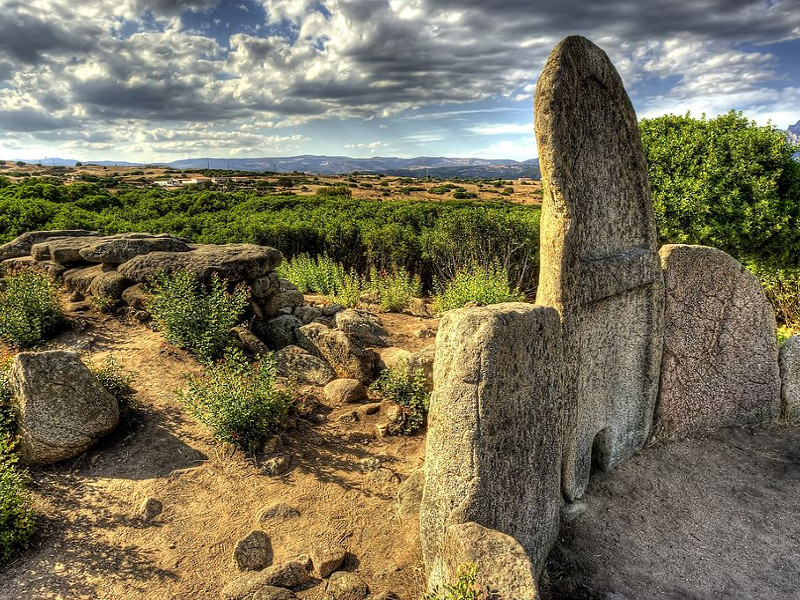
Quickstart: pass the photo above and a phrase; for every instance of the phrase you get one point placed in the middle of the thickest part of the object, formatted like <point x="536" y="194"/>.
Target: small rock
<point x="286" y="299"/>
<point x="417" y="308"/>
<point x="265" y="286"/>
<point x="279" y="512"/>
<point x="384" y="480"/>
<point x="76" y="297"/>
<point x="348" y="417"/>
<point x="424" y="333"/>
<point x="331" y="310"/>
<point x="370" y="463"/>
<point x="395" y="413"/>
<point x="362" y="327"/>
<point x="345" y="391"/>
<point x="346" y="586"/>
<point x="307" y="313"/>
<point x="572" y="511"/>
<point x="295" y="363"/>
<point x="248" y="341"/>
<point x="151" y="508"/>
<point x="326" y="559"/>
<point x="281" y="331"/>
<point x="289" y="575"/>
<point x="253" y="552"/>
<point x="78" y="307"/>
<point x="277" y="465"/>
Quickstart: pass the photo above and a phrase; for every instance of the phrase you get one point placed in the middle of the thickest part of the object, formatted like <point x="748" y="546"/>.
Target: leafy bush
<point x="195" y="316"/>
<point x="483" y="285"/>
<point x="724" y="182"/>
<point x="238" y="400"/>
<point x="394" y="288"/>
<point x="405" y="386"/>
<point x="8" y="421"/>
<point x="348" y="293"/>
<point x="29" y="308"/>
<point x="341" y="191"/>
<point x="466" y="587"/>
<point x="784" y="333"/>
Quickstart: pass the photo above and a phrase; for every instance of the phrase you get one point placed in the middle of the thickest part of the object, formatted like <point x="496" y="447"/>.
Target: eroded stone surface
<point x="720" y="365"/>
<point x="504" y="569"/>
<point x="63" y="409"/>
<point x="21" y="246"/>
<point x="789" y="360"/>
<point x="493" y="443"/>
<point x="599" y="265"/>
<point x="120" y="248"/>
<point x="349" y="360"/>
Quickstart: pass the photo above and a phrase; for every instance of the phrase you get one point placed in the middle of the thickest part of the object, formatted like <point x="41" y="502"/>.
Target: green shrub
<point x="784" y="333"/>
<point x="238" y="400"/>
<point x="394" y="288"/>
<point x="320" y="274"/>
<point x="195" y="316"/>
<point x="117" y="382"/>
<point x="338" y="191"/>
<point x="17" y="518"/>
<point x="29" y="308"/>
<point x="405" y="386"/>
<point x="8" y="421"/>
<point x="466" y="587"/>
<point x="483" y="285"/>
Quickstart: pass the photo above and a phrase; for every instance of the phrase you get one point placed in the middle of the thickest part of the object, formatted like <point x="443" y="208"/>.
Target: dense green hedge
<point x="432" y="239"/>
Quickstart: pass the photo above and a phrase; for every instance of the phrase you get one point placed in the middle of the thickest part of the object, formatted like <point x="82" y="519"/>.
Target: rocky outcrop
<point x="503" y="568"/>
<point x="599" y="262"/>
<point x="720" y="364"/>
<point x="21" y="246"/>
<point x="789" y="362"/>
<point x="117" y="249"/>
<point x="493" y="442"/>
<point x="230" y="262"/>
<point x="63" y="409"/>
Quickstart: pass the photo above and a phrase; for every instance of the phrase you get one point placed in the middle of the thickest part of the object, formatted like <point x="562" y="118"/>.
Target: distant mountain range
<point x="793" y="133"/>
<point x="334" y="165"/>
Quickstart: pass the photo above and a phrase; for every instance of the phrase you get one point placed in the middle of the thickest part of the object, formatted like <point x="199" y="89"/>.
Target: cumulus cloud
<point x="120" y="65"/>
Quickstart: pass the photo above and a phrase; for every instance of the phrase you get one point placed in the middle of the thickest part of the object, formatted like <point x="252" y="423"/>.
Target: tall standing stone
<point x="599" y="263"/>
<point x="493" y="444"/>
<point x="720" y="364"/>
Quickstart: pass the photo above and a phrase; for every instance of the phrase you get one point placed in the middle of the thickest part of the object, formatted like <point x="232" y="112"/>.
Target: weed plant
<point x="195" y="316"/>
<point x="480" y="284"/>
<point x="466" y="587"/>
<point x="394" y="288"/>
<point x="238" y="400"/>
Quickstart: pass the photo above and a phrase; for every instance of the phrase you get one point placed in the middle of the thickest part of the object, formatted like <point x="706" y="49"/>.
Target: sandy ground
<point x="92" y="543"/>
<point x="706" y="519"/>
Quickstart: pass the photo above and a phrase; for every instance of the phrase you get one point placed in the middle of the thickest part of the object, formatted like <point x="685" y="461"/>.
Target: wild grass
<point x="477" y="283"/>
<point x="29" y="308"/>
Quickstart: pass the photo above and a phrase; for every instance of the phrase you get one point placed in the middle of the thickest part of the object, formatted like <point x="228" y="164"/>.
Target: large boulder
<point x="21" y="246"/>
<point x="349" y="360"/>
<point x="295" y="363"/>
<point x="363" y="327"/>
<point x="62" y="250"/>
<point x="63" y="409"/>
<point x="789" y="361"/>
<point x="493" y="443"/>
<point x="109" y="284"/>
<point x="599" y="262"/>
<point x="120" y="248"/>
<point x="80" y="280"/>
<point x="720" y="364"/>
<point x="503" y="568"/>
<point x="230" y="262"/>
<point x="280" y="332"/>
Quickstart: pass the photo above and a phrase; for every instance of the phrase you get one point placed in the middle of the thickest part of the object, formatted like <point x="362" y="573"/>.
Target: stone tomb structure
<point x="600" y="266"/>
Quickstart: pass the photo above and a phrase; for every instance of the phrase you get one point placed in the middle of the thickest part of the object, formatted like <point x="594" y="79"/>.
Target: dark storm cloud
<point x="30" y="120"/>
<point x="25" y="38"/>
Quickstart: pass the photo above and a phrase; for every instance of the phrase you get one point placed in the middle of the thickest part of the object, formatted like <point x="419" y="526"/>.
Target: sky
<point x="161" y="80"/>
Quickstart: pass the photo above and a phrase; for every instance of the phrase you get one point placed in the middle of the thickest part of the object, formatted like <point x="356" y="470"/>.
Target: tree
<point x="20" y="163"/>
<point x="725" y="182"/>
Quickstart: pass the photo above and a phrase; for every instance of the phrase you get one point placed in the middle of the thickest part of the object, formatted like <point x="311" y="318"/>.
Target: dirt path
<point x="92" y="543"/>
<point x="706" y="519"/>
